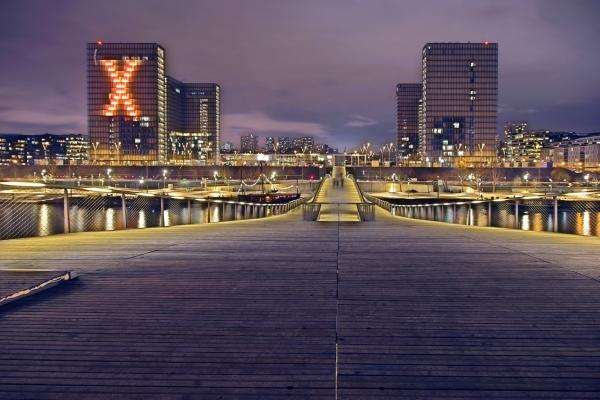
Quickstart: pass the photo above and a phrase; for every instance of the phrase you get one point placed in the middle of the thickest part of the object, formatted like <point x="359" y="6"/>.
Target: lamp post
<point x="262" y="158"/>
<point x="108" y="171"/>
<point x="164" y="173"/>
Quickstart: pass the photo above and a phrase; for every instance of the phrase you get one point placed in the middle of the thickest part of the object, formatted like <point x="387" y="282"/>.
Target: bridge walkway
<point x="252" y="309"/>
<point x="338" y="200"/>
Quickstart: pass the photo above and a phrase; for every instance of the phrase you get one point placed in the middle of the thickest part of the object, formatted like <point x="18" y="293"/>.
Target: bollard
<point x="516" y="214"/>
<point x="453" y="213"/>
<point x="162" y="212"/>
<point x="208" y="212"/>
<point x="490" y="213"/>
<point x="66" y="219"/>
<point x="189" y="206"/>
<point x="123" y="211"/>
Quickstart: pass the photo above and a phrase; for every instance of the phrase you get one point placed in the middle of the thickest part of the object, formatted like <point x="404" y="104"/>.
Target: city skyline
<point x="346" y="93"/>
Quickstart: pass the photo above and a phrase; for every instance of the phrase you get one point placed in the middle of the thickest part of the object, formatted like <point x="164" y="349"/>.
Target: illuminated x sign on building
<point x="120" y="94"/>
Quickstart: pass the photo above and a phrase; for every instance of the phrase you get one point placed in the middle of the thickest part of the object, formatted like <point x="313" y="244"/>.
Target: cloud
<point x="360" y="121"/>
<point x="262" y="123"/>
<point x="46" y="118"/>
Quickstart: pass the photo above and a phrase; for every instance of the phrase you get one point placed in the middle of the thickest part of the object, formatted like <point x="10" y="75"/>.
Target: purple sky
<point x="326" y="68"/>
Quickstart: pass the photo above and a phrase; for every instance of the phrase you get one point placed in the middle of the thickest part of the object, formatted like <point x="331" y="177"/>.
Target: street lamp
<point x="164" y="173"/>
<point x="262" y="159"/>
<point x="586" y="178"/>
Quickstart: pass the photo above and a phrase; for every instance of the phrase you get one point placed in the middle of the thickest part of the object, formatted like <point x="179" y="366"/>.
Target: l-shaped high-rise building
<point x="457" y="109"/>
<point x="138" y="115"/>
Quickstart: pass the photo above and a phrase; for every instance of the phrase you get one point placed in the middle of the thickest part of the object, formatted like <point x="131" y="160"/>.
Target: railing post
<point x="208" y="211"/>
<point x="516" y="214"/>
<point x="123" y="211"/>
<point x="189" y="206"/>
<point x="490" y="213"/>
<point x="555" y="215"/>
<point x="469" y="214"/>
<point x="162" y="212"/>
<point x="66" y="219"/>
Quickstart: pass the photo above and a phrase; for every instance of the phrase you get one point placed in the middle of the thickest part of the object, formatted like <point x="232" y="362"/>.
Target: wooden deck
<point x="251" y="309"/>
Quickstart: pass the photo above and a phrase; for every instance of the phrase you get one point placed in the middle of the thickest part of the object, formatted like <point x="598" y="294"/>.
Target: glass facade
<point x="458" y="110"/>
<point x="194" y="121"/>
<point x="127" y="100"/>
<point x="408" y="96"/>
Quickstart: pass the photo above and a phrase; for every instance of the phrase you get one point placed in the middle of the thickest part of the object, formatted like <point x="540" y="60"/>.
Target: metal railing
<point x="318" y="188"/>
<point x="310" y="211"/>
<point x="48" y="211"/>
<point x="581" y="217"/>
<point x="366" y="211"/>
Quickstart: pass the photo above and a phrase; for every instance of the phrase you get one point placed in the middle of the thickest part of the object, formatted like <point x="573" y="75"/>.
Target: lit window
<point x="456" y="125"/>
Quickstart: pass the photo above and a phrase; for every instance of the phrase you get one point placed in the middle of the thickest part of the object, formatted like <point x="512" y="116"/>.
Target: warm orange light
<point x="120" y="95"/>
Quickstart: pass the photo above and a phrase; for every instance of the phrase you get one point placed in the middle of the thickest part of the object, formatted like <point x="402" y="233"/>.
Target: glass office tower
<point x="127" y="113"/>
<point x="459" y="104"/>
<point x="408" y="97"/>
<point x="194" y="122"/>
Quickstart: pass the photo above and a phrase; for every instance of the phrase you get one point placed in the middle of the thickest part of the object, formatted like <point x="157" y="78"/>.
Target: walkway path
<point x="251" y="309"/>
<point x="338" y="203"/>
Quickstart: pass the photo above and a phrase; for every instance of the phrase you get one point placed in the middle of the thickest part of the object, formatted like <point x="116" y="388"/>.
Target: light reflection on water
<point x="44" y="224"/>
<point x="214" y="213"/>
<point x="582" y="218"/>
<point x="141" y="219"/>
<point x="41" y="219"/>
<point x="110" y="219"/>
<point x="525" y="222"/>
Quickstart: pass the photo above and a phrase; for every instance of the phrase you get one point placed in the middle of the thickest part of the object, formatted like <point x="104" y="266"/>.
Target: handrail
<point x="356" y="185"/>
<point x="318" y="188"/>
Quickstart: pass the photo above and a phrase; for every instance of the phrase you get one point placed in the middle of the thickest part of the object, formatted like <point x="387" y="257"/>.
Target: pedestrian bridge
<point x="280" y="308"/>
<point x="338" y="198"/>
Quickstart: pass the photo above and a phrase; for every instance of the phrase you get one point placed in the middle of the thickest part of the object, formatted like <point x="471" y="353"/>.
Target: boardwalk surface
<point x="251" y="309"/>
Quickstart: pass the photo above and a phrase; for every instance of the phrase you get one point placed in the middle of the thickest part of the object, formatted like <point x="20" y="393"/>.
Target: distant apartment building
<point x="193" y="122"/>
<point x="249" y="143"/>
<point x="458" y="109"/>
<point x="46" y="149"/>
<point x="322" y="148"/>
<point x="227" y="148"/>
<point x="139" y="116"/>
<point x="303" y="144"/>
<point x="523" y="146"/>
<point x="408" y="98"/>
<point x="577" y="153"/>
<point x="270" y="145"/>
<point x="284" y="145"/>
